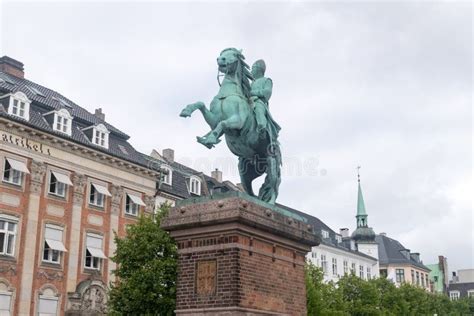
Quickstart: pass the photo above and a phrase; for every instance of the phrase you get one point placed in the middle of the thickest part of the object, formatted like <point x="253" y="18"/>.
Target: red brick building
<point x="69" y="180"/>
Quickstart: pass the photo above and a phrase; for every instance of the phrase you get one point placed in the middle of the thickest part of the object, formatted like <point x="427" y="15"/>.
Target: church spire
<point x="361" y="213"/>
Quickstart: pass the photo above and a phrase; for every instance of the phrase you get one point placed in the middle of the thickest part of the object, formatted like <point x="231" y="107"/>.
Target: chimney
<point x="344" y="232"/>
<point x="12" y="67"/>
<point x="217" y="175"/>
<point x="168" y="154"/>
<point x="99" y="114"/>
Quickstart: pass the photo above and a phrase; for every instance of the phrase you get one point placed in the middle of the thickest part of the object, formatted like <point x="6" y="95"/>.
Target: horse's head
<point x="230" y="62"/>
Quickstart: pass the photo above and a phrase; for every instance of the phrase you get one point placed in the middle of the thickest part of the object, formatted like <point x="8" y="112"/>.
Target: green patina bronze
<point x="240" y="111"/>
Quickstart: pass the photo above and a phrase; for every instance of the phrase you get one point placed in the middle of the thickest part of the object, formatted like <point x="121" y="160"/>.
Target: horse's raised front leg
<point x="212" y="138"/>
<point x="210" y="117"/>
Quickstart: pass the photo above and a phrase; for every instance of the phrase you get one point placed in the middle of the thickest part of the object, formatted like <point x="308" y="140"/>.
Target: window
<point x="167" y="175"/>
<point x="454" y="295"/>
<point x="132" y="204"/>
<point x="94" y="253"/>
<point x="314" y="255"/>
<point x="400" y="275"/>
<point x="353" y="268"/>
<point x="417" y="278"/>
<point x="435" y="278"/>
<point x="47" y="306"/>
<point x="8" y="228"/>
<point x="470" y="293"/>
<point x="361" y="272"/>
<point x="195" y="186"/>
<point x="427" y="282"/>
<point x="19" y="105"/>
<point x="97" y="194"/>
<point x="57" y="183"/>
<point x="334" y="266"/>
<point x="325" y="233"/>
<point x="412" y="276"/>
<point x="62" y="121"/>
<point x="100" y="136"/>
<point x="346" y="267"/>
<point x="324" y="264"/>
<point x="383" y="273"/>
<point x="5" y="303"/>
<point x="422" y="280"/>
<point x="369" y="273"/>
<point x="53" y="244"/>
<point x="13" y="171"/>
<point x="338" y="238"/>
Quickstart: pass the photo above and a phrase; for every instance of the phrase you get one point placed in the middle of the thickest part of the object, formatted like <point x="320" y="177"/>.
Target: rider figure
<point x="261" y="91"/>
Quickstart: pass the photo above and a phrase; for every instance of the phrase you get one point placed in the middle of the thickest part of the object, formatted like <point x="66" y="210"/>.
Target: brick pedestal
<point x="238" y="256"/>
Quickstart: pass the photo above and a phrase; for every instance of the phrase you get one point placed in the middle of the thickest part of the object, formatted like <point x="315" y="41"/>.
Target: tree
<point x="146" y="271"/>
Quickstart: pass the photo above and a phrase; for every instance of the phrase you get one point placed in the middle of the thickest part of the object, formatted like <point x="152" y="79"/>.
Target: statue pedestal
<point x="239" y="256"/>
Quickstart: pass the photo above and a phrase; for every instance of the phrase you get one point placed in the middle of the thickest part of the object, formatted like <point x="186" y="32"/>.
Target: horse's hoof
<point x="185" y="113"/>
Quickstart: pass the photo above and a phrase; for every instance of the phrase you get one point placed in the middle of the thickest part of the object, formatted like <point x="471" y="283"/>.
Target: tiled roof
<point x="50" y="100"/>
<point x="390" y="252"/>
<point x="319" y="225"/>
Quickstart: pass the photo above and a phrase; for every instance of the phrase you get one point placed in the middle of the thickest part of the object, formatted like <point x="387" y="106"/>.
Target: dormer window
<point x="19" y="105"/>
<point x="62" y="121"/>
<point x="195" y="185"/>
<point x="100" y="136"/>
<point x="167" y="176"/>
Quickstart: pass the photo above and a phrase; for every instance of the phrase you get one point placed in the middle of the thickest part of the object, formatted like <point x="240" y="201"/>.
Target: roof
<point x="463" y="288"/>
<point x="360" y="202"/>
<point x="180" y="176"/>
<point x="319" y="225"/>
<point x="45" y="100"/>
<point x="390" y="252"/>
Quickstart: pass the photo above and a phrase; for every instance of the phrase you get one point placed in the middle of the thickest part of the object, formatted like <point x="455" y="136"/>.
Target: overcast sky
<point x="387" y="86"/>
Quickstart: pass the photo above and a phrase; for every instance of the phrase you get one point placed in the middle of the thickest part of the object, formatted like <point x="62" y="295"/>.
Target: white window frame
<point x="369" y="273"/>
<point x="95" y="261"/>
<point x="167" y="178"/>
<point x="339" y="238"/>
<point x="346" y="266"/>
<point x="60" y="188"/>
<point x="353" y="268"/>
<point x="133" y="201"/>
<point x="100" y="136"/>
<point x="10" y="236"/>
<point x="334" y="266"/>
<point x="21" y="101"/>
<point x="63" y="121"/>
<point x="13" y="173"/>
<point x="10" y="297"/>
<point x="54" y="255"/>
<point x="324" y="264"/>
<point x="195" y="185"/>
<point x="324" y="233"/>
<point x="470" y="293"/>
<point x="454" y="295"/>
<point x="96" y="198"/>
<point x="361" y="271"/>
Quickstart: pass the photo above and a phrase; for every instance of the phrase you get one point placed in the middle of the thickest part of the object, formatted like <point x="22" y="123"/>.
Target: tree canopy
<point x="146" y="261"/>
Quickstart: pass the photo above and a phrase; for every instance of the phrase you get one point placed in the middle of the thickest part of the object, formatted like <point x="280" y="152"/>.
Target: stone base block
<point x="238" y="256"/>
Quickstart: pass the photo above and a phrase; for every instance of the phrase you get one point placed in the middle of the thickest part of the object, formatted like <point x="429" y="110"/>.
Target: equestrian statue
<point x="240" y="111"/>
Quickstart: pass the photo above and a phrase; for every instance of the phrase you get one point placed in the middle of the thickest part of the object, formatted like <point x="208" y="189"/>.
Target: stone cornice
<point x="70" y="146"/>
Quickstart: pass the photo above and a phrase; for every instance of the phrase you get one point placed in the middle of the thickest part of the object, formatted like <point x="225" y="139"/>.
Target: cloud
<point x="385" y="85"/>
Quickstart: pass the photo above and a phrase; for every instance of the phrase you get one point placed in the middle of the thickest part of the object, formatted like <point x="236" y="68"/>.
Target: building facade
<point x="462" y="284"/>
<point x="70" y="181"/>
<point x="439" y="276"/>
<point x="341" y="254"/>
<point x="400" y="265"/>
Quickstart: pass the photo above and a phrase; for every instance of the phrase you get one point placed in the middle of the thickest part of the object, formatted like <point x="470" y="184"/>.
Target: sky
<point x="384" y="85"/>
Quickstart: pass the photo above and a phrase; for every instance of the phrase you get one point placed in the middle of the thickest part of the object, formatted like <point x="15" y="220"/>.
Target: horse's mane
<point x="242" y="71"/>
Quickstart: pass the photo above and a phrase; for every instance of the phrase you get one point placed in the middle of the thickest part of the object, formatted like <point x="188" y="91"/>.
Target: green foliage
<point x="146" y="270"/>
<point x="354" y="296"/>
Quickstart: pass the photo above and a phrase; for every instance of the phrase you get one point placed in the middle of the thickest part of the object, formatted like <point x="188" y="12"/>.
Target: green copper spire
<point x="361" y="213"/>
<point x="363" y="233"/>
